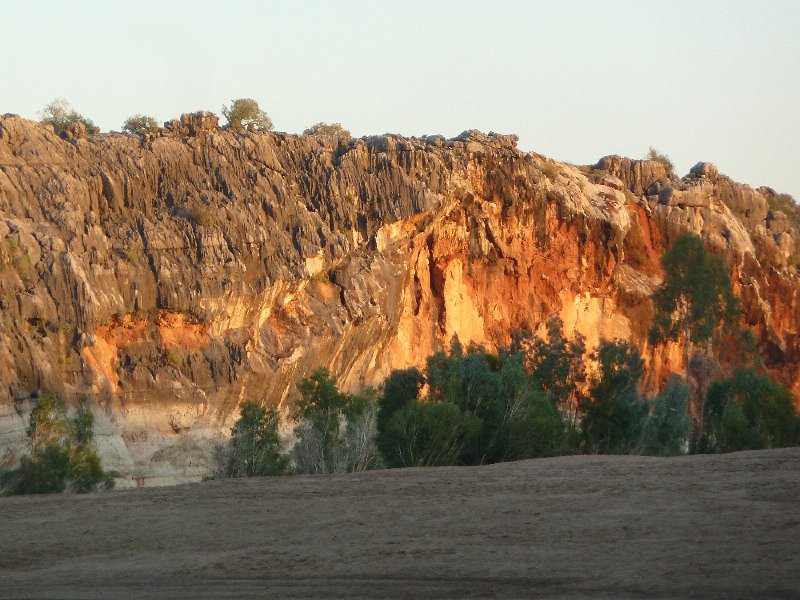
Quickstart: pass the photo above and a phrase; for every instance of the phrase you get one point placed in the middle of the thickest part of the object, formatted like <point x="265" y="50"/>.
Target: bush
<point x="245" y="112"/>
<point x="427" y="434"/>
<point x="329" y="129"/>
<point x="655" y="155"/>
<point x="61" y="115"/>
<point x="668" y="426"/>
<point x="197" y="213"/>
<point x="748" y="411"/>
<point x="46" y="473"/>
<point x="255" y="447"/>
<point x="62" y="457"/>
<point x="787" y="205"/>
<point x="140" y="125"/>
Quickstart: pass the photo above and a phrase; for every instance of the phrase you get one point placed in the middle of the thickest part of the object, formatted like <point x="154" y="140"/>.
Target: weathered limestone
<point x="167" y="279"/>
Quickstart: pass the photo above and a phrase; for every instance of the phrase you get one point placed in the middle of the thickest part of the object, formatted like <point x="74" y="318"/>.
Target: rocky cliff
<point x="163" y="280"/>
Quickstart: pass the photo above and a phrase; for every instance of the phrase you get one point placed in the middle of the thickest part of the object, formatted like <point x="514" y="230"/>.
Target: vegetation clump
<point x="748" y="411"/>
<point x="695" y="303"/>
<point x="140" y="125"/>
<point x="61" y="116"/>
<point x="245" y="113"/>
<point x="667" y="428"/>
<point x="63" y="456"/>
<point x="658" y="157"/>
<point x="327" y="129"/>
<point x="787" y="205"/>
<point x="613" y="414"/>
<point x="696" y="298"/>
<point x="481" y="407"/>
<point x="335" y="431"/>
<point x="255" y="446"/>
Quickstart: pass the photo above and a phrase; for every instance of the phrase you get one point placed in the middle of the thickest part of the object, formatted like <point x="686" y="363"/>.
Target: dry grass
<point x="571" y="527"/>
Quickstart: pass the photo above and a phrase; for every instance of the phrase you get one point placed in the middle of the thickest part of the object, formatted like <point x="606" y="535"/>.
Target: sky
<point x="714" y="81"/>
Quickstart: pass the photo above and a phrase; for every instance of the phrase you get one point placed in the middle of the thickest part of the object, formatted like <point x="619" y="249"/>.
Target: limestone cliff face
<point x="164" y="280"/>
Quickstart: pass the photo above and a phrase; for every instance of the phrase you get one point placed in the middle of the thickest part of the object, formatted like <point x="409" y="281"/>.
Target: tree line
<point x="242" y="113"/>
<point x="536" y="398"/>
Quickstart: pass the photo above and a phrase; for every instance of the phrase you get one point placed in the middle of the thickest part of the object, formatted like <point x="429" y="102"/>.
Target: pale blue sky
<point x="716" y="81"/>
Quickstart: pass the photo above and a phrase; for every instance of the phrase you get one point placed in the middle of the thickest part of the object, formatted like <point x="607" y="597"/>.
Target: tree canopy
<point x="747" y="411"/>
<point x="63" y="456"/>
<point x="331" y="129"/>
<point x="659" y="157"/>
<point x="255" y="447"/>
<point x="60" y="114"/>
<point x="140" y="124"/>
<point x="696" y="297"/>
<point x="613" y="414"/>
<point x="335" y="431"/>
<point x="245" y="112"/>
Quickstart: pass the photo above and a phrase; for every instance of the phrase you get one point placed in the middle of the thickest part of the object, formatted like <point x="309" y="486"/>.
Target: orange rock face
<point x="165" y="280"/>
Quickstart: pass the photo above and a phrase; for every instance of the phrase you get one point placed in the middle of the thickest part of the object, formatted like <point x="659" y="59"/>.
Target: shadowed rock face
<point x="164" y="280"/>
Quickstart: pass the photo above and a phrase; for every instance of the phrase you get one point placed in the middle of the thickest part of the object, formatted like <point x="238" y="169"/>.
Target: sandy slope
<point x="572" y="527"/>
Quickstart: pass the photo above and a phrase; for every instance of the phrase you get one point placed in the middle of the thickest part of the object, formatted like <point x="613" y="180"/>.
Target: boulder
<point x="637" y="175"/>
<point x="706" y="170"/>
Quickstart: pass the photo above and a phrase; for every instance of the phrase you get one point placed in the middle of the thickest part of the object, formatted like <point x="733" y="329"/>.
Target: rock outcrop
<point x="163" y="280"/>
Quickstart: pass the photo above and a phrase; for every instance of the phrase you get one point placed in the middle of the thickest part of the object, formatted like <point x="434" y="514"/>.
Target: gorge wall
<point x="163" y="280"/>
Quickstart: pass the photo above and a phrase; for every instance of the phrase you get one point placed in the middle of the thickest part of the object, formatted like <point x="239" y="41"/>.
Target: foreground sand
<point x="571" y="527"/>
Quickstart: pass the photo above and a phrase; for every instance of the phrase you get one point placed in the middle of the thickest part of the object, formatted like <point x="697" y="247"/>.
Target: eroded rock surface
<point x="163" y="280"/>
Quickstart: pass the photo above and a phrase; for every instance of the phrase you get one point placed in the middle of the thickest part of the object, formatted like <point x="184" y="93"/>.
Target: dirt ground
<point x="570" y="527"/>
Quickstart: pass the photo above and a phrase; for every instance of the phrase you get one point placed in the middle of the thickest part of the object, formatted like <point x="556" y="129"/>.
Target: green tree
<point x="427" y="434"/>
<point x="61" y="115"/>
<point x="522" y="420"/>
<point x="667" y="428"/>
<point x="399" y="389"/>
<point x="140" y="125"/>
<point x="613" y="415"/>
<point x="47" y="472"/>
<point x="255" y="446"/>
<point x="480" y="408"/>
<point x="556" y="362"/>
<point x="245" y="112"/>
<point x="327" y="129"/>
<point x="695" y="298"/>
<point x="336" y="431"/>
<point x="696" y="303"/>
<point x="748" y="411"/>
<point x="63" y="456"/>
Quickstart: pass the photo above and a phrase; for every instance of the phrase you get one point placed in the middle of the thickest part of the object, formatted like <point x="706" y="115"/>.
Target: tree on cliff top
<point x="330" y="129"/>
<point x="61" y="115"/>
<point x="140" y="125"/>
<point x="659" y="157"/>
<point x="245" y="112"/>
